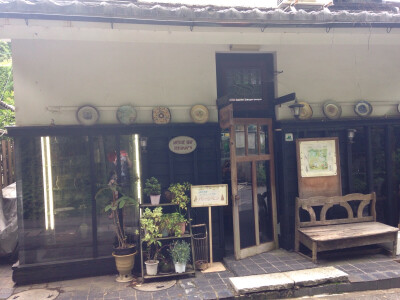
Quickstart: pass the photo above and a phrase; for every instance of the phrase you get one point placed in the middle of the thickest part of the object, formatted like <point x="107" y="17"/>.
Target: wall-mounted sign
<point x="318" y="158"/>
<point x="182" y="144"/>
<point x="209" y="195"/>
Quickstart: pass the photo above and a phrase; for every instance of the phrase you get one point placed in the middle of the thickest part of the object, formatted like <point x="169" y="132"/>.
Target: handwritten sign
<point x="182" y="144"/>
<point x="209" y="195"/>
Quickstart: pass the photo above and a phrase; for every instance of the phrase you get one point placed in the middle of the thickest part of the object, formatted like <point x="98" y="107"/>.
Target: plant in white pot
<point x="180" y="253"/>
<point x="150" y="225"/>
<point x="153" y="189"/>
<point x="125" y="251"/>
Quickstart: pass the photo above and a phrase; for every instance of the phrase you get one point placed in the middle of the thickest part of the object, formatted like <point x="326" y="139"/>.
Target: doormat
<point x="35" y="294"/>
<point x="154" y="286"/>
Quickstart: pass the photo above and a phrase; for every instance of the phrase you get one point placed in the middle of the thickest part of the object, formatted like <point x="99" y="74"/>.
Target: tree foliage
<point x="7" y="116"/>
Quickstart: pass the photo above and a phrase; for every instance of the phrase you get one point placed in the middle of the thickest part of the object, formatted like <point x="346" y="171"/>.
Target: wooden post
<point x="210" y="232"/>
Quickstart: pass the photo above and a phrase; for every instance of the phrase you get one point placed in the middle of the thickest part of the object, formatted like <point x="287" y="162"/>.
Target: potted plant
<point x="180" y="197"/>
<point x="150" y="225"/>
<point x="153" y="189"/>
<point x="177" y="224"/>
<point x="180" y="253"/>
<point x="124" y="251"/>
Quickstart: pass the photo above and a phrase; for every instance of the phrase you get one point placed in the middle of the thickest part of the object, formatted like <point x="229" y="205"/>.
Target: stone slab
<point x="261" y="283"/>
<point x="317" y="276"/>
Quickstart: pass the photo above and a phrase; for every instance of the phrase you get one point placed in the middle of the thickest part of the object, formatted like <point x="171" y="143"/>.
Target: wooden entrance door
<point x="253" y="186"/>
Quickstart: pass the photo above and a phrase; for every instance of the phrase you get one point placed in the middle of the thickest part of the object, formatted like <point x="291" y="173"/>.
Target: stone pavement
<point x="366" y="272"/>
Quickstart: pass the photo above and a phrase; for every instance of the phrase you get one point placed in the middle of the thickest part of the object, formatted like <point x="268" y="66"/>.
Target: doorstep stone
<point x="260" y="283"/>
<point x="317" y="276"/>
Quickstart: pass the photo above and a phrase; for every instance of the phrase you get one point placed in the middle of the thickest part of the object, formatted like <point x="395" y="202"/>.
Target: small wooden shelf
<point x="185" y="236"/>
<point x="161" y="204"/>
<point x="168" y="275"/>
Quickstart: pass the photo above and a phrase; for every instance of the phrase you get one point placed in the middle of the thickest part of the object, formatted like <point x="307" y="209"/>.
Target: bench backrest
<point x="326" y="203"/>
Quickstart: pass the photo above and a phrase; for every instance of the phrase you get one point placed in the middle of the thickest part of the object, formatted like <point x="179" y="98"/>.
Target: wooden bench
<point x="320" y="234"/>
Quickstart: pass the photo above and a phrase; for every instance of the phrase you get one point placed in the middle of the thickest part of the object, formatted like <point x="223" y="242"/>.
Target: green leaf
<point x="107" y="208"/>
<point x="121" y="203"/>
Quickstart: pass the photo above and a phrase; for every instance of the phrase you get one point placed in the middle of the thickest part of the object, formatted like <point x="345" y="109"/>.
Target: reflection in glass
<point x="246" y="209"/>
<point x="252" y="139"/>
<point x="264" y="146"/>
<point x="240" y="140"/>
<point x="264" y="201"/>
<point x="57" y="199"/>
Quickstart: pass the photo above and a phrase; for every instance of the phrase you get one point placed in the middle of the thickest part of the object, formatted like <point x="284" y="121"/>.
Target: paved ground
<point x="392" y="294"/>
<point x="366" y="272"/>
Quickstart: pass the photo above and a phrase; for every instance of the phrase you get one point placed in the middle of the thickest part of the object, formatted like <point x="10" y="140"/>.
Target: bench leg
<point x="394" y="250"/>
<point x="296" y="244"/>
<point x="314" y="252"/>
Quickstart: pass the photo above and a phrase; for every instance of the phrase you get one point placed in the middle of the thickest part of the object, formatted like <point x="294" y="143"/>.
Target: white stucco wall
<point x="59" y="68"/>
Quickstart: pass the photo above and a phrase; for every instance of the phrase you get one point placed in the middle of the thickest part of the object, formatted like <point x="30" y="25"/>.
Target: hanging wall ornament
<point x="126" y="114"/>
<point x="161" y="115"/>
<point x="87" y="115"/>
<point x="363" y="108"/>
<point x="332" y="110"/>
<point x="199" y="114"/>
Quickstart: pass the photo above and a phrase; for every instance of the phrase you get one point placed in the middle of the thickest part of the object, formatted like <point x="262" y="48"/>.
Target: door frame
<point x="259" y="247"/>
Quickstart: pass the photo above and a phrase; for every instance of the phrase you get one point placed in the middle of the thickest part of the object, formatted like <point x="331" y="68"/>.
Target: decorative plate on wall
<point x="87" y="115"/>
<point x="161" y="115"/>
<point x="126" y="114"/>
<point x="332" y="110"/>
<point x="363" y="108"/>
<point x="199" y="114"/>
<point x="306" y="111"/>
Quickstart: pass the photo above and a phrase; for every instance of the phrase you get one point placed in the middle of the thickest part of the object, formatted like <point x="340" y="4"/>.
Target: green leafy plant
<point x="172" y="223"/>
<point x="117" y="201"/>
<point x="150" y="224"/>
<point x="180" y="197"/>
<point x="152" y="187"/>
<point x="180" y="252"/>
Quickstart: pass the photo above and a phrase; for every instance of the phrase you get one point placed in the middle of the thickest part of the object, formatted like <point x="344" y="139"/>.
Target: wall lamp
<point x="295" y="107"/>
<point x="350" y="135"/>
<point x="143" y="143"/>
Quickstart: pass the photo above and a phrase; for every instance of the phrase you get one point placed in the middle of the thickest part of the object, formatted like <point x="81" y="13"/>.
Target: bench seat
<point x="358" y="229"/>
<point x="345" y="231"/>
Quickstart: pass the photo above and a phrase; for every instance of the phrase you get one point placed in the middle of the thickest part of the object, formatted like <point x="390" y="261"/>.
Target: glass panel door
<point x="253" y="187"/>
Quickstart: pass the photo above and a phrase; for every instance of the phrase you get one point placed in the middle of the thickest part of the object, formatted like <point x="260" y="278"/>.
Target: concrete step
<point x="287" y="280"/>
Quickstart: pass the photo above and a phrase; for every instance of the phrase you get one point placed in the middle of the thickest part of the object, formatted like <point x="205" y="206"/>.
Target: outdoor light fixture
<point x="143" y="143"/>
<point x="295" y="107"/>
<point x="350" y="135"/>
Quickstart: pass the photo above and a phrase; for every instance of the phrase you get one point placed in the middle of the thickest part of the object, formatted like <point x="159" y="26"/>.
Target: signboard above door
<point x="182" y="144"/>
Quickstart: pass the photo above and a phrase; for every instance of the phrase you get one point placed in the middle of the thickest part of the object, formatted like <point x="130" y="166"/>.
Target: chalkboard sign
<point x="209" y="195"/>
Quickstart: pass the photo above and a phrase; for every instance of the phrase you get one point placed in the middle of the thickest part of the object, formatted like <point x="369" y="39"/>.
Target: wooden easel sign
<point x="208" y="196"/>
<point x="318" y="167"/>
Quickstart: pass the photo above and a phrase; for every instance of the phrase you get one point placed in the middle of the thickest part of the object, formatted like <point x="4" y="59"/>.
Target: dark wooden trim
<point x="369" y="162"/>
<point x="93" y="199"/>
<point x="143" y="129"/>
<point x="390" y="207"/>
<point x="62" y="270"/>
<point x="350" y="167"/>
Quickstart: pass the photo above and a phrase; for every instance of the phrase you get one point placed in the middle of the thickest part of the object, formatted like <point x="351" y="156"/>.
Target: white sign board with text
<point x="209" y="195"/>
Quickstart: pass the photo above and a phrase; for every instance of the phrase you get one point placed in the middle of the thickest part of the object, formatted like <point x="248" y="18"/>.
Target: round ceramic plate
<point x="126" y="114"/>
<point x="363" y="108"/>
<point x="332" y="110"/>
<point x="87" y="115"/>
<point x="161" y="115"/>
<point x="306" y="111"/>
<point x="199" y="114"/>
<point x="398" y="108"/>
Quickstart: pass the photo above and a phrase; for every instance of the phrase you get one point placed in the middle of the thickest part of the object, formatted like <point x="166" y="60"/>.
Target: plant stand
<point x="188" y="237"/>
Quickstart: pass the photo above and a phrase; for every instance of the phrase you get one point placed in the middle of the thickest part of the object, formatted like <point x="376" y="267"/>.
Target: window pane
<point x="244" y="83"/>
<point x="246" y="208"/>
<point x="264" y="143"/>
<point x="57" y="198"/>
<point x="264" y="201"/>
<point x="252" y="139"/>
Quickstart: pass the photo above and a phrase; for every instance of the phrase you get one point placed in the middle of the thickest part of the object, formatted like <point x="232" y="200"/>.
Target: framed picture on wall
<point x="318" y="157"/>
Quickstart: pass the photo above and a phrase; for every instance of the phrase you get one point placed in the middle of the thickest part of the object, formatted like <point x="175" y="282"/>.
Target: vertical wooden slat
<point x="9" y="162"/>
<point x="4" y="162"/>
<point x="390" y="207"/>
<point x="246" y="139"/>
<point x="370" y="167"/>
